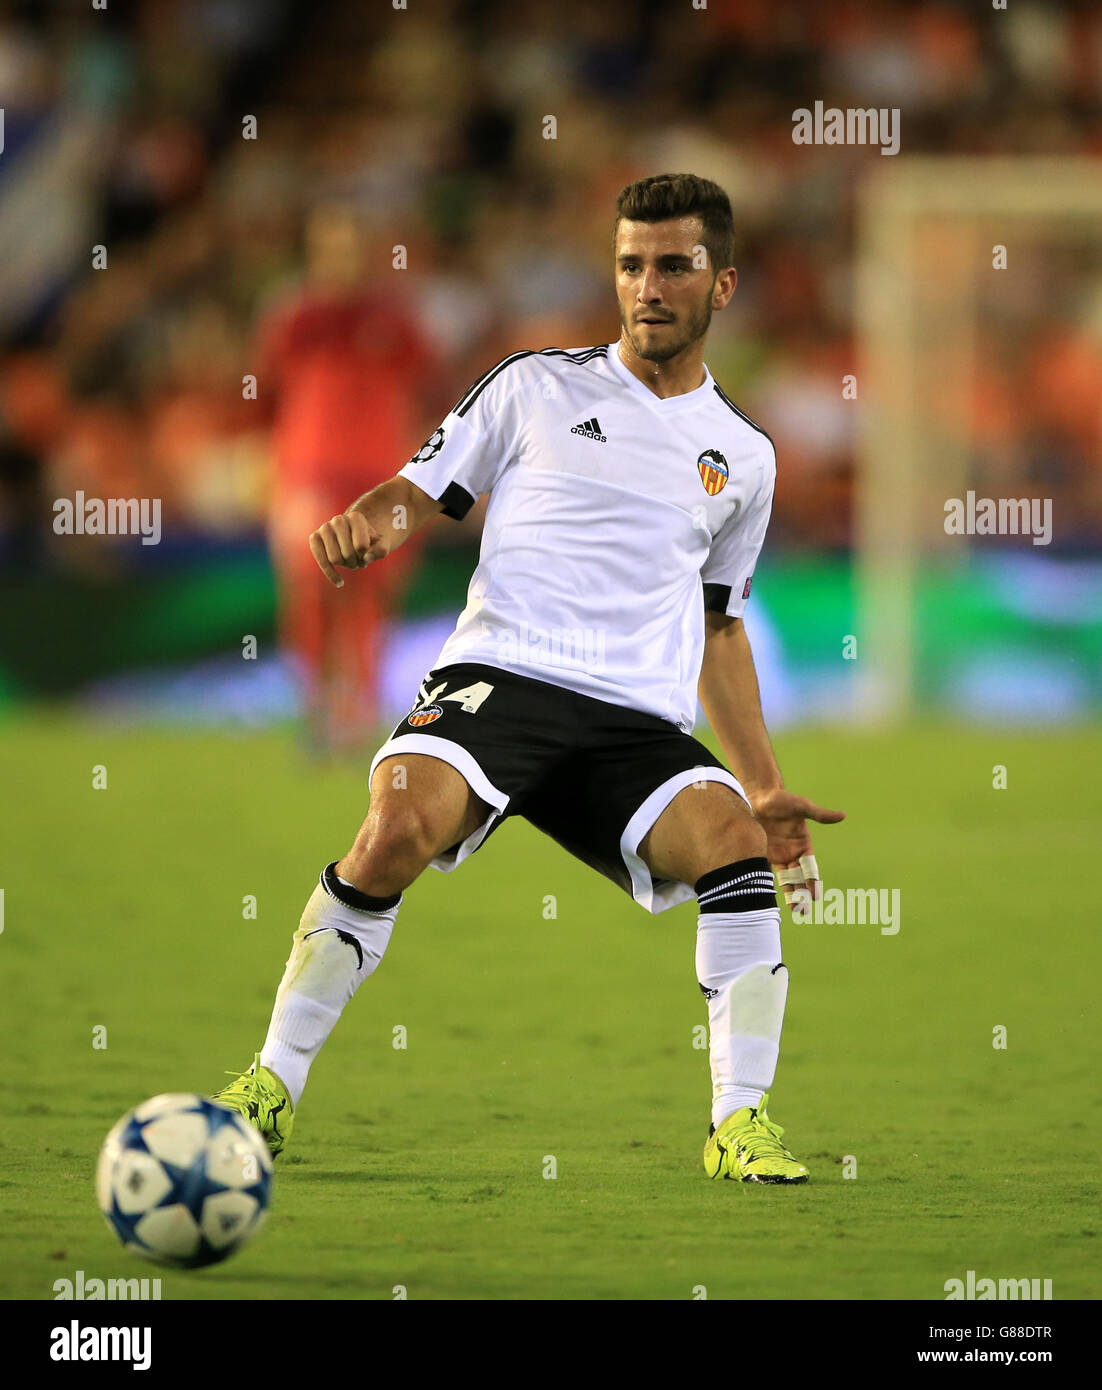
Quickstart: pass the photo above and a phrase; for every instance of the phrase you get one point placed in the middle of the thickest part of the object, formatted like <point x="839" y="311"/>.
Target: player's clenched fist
<point x="348" y="540"/>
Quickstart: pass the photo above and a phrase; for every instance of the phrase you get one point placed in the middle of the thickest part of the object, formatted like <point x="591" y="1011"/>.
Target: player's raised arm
<point x="373" y="526"/>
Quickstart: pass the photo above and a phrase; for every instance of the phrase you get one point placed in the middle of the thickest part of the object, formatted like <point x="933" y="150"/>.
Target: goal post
<point x="923" y="242"/>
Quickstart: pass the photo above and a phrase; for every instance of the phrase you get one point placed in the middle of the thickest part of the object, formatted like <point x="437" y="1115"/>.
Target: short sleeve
<point x="471" y="449"/>
<point x="729" y="568"/>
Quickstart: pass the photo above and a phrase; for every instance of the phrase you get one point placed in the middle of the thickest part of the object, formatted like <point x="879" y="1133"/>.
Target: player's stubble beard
<point x="696" y="326"/>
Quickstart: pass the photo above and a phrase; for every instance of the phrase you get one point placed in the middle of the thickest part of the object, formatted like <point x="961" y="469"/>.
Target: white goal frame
<point x="915" y="341"/>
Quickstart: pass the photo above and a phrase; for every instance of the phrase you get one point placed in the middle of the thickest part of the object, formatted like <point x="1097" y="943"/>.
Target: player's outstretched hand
<point x="348" y="540"/>
<point x="783" y="816"/>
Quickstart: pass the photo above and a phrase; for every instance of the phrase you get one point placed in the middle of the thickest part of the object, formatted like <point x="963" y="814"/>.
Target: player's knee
<point x="390" y="852"/>
<point x="741" y="838"/>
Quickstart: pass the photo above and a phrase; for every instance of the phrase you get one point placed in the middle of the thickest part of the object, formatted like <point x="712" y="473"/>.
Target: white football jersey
<point x="615" y="518"/>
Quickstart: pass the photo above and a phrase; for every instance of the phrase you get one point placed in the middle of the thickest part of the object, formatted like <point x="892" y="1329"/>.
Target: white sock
<point x="738" y="964"/>
<point x="335" y="949"/>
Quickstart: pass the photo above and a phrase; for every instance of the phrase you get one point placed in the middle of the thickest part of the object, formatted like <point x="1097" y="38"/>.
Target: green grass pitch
<point x="569" y="1036"/>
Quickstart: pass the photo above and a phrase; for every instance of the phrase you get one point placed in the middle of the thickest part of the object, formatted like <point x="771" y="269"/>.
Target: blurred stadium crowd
<point x="123" y="128"/>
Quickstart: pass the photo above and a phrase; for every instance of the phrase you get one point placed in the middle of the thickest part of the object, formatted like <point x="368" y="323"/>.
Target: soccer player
<point x="339" y="367"/>
<point x="628" y="501"/>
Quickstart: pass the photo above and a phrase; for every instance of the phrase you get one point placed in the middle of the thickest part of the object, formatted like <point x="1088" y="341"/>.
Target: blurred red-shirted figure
<point x="342" y="366"/>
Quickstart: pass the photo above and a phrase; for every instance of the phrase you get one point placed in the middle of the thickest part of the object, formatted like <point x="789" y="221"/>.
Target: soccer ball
<point x="183" y="1181"/>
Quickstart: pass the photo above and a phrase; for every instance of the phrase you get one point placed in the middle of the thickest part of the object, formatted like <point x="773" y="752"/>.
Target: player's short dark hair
<point x="662" y="196"/>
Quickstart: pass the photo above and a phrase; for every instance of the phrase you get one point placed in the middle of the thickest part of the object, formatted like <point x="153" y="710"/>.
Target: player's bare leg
<point x="708" y="837"/>
<point x="420" y="806"/>
<point x="704" y="827"/>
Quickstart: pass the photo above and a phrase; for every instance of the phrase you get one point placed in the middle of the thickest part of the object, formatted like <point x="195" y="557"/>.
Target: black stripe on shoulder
<point x="465" y="402"/>
<point x="725" y="398"/>
<point x="580" y="356"/>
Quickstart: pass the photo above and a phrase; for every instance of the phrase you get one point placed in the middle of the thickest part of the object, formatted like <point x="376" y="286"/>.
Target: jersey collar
<point x="671" y="405"/>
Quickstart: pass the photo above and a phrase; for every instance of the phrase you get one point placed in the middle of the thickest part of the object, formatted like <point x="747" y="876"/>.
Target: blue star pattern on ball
<point x="183" y="1181"/>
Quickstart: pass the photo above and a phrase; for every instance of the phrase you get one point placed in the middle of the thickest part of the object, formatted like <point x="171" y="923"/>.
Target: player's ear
<point x="724" y="287"/>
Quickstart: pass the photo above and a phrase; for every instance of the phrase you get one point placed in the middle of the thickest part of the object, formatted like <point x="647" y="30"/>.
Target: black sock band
<point x="352" y="897"/>
<point x="745" y="886"/>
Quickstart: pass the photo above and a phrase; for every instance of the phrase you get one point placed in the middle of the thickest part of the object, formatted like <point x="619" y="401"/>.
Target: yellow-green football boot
<point x="747" y="1148"/>
<point x="262" y="1099"/>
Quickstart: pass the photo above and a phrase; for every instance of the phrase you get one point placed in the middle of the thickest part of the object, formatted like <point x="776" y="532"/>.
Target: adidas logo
<point x="591" y="429"/>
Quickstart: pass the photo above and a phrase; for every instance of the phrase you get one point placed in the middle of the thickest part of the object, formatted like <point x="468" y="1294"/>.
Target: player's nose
<point x="650" y="291"/>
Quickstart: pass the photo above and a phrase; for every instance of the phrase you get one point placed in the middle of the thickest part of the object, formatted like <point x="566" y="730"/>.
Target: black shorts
<point x="592" y="775"/>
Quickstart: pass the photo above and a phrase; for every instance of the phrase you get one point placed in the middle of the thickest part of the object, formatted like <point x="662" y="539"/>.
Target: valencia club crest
<point x="713" y="470"/>
<point x="427" y="714"/>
